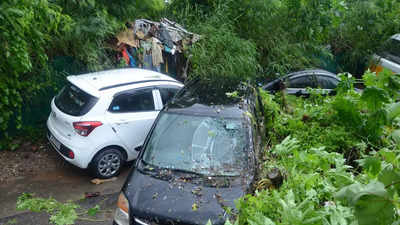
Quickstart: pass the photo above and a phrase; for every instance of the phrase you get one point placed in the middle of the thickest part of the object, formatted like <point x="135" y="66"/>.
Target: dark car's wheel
<point x="107" y="163"/>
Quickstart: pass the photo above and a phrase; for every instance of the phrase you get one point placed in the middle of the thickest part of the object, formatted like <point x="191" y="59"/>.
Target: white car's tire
<point x="107" y="163"/>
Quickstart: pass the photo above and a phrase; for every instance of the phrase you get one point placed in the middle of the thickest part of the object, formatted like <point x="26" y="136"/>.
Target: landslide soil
<point x="29" y="159"/>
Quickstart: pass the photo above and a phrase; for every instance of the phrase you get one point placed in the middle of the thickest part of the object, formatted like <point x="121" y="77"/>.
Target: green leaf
<point x="259" y="218"/>
<point x="395" y="135"/>
<point x="354" y="192"/>
<point x="93" y="211"/>
<point x="372" y="165"/>
<point x="393" y="111"/>
<point x="394" y="82"/>
<point x="372" y="210"/>
<point x="370" y="202"/>
<point x="287" y="146"/>
<point x="391" y="179"/>
<point x="374" y="98"/>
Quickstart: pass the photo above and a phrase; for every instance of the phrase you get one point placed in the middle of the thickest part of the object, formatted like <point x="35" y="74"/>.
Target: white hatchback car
<point x="98" y="120"/>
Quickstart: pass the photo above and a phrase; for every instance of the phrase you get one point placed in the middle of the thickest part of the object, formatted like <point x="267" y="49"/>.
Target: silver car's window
<point x="301" y="82"/>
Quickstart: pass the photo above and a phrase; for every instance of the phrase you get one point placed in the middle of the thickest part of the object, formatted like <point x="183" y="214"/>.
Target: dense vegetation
<point x="338" y="156"/>
<point x="42" y="41"/>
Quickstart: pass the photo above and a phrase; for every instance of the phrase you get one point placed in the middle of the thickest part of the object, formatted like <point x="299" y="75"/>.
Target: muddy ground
<point x="38" y="169"/>
<point x="28" y="160"/>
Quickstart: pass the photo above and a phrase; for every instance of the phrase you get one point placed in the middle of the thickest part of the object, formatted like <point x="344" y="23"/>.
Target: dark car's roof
<point x="311" y="71"/>
<point x="195" y="100"/>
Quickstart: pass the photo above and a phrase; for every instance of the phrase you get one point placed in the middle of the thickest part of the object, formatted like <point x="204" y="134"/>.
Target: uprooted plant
<point x="60" y="213"/>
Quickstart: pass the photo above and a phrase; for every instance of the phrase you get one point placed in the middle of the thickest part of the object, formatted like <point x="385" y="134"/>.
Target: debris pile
<point x="157" y="46"/>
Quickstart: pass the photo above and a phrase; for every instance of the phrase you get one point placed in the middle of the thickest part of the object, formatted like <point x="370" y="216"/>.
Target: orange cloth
<point x="125" y="55"/>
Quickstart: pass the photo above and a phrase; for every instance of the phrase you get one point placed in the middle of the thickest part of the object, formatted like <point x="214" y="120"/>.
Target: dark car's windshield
<point x="199" y="144"/>
<point x="73" y="101"/>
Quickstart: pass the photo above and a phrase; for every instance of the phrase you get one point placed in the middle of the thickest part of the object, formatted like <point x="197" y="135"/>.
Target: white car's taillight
<point x="121" y="216"/>
<point x="85" y="128"/>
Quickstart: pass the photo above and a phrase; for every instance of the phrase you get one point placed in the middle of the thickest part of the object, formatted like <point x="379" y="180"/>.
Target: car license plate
<point x="54" y="141"/>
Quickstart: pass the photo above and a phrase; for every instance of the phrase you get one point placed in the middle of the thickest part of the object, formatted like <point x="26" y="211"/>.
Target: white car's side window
<point x="137" y="101"/>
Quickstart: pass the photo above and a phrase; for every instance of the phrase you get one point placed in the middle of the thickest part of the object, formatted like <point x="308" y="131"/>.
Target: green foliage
<point x="221" y="57"/>
<point x="366" y="115"/>
<point x="346" y="84"/>
<point x="338" y="155"/>
<point x="93" y="211"/>
<point x="359" y="29"/>
<point x="60" y="214"/>
<point x="312" y="177"/>
<point x="370" y="202"/>
<point x="26" y="31"/>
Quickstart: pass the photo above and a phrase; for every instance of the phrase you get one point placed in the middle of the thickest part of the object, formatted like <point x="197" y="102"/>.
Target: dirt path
<point x="28" y="160"/>
<point x="45" y="173"/>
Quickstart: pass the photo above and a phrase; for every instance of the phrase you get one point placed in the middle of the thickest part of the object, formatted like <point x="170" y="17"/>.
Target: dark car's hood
<point x="184" y="202"/>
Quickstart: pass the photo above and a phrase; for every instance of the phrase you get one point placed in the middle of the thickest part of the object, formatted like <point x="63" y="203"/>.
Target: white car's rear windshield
<point x="74" y="101"/>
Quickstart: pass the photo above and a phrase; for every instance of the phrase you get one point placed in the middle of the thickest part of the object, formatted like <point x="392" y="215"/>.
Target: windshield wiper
<point x="187" y="171"/>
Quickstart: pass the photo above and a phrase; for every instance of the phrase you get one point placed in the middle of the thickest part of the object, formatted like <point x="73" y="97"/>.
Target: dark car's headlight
<point x="121" y="216"/>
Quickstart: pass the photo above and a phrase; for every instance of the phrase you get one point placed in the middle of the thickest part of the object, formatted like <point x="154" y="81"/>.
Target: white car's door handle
<point x="119" y="122"/>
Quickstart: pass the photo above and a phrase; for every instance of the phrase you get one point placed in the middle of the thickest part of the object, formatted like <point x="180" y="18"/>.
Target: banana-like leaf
<point x="393" y="111"/>
<point x="396" y="136"/>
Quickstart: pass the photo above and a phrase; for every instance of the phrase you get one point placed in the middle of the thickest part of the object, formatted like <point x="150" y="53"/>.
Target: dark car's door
<point x="297" y="85"/>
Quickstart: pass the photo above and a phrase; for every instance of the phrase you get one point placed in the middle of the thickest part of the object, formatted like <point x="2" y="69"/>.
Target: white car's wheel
<point x="107" y="163"/>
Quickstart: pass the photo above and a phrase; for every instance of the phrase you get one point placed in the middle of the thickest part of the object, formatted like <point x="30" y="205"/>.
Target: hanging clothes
<point x="125" y="55"/>
<point x="147" y="61"/>
<point x="156" y="52"/>
<point x="132" y="62"/>
<point x="147" y="58"/>
<point x="132" y="57"/>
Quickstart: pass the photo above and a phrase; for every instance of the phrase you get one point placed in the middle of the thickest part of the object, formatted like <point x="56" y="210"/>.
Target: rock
<point x="275" y="176"/>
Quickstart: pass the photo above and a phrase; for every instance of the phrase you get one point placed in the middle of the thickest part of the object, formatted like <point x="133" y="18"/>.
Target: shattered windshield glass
<point x="199" y="144"/>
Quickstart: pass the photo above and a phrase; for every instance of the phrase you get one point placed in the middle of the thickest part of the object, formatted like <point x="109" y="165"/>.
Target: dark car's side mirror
<point x="139" y="148"/>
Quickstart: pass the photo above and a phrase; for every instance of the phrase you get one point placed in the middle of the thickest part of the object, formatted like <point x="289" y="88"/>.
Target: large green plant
<point x="373" y="111"/>
<point x="27" y="28"/>
<point x="221" y="59"/>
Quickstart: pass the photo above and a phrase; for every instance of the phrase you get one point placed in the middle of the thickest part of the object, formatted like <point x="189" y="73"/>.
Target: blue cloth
<point x="167" y="49"/>
<point x="132" y="61"/>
